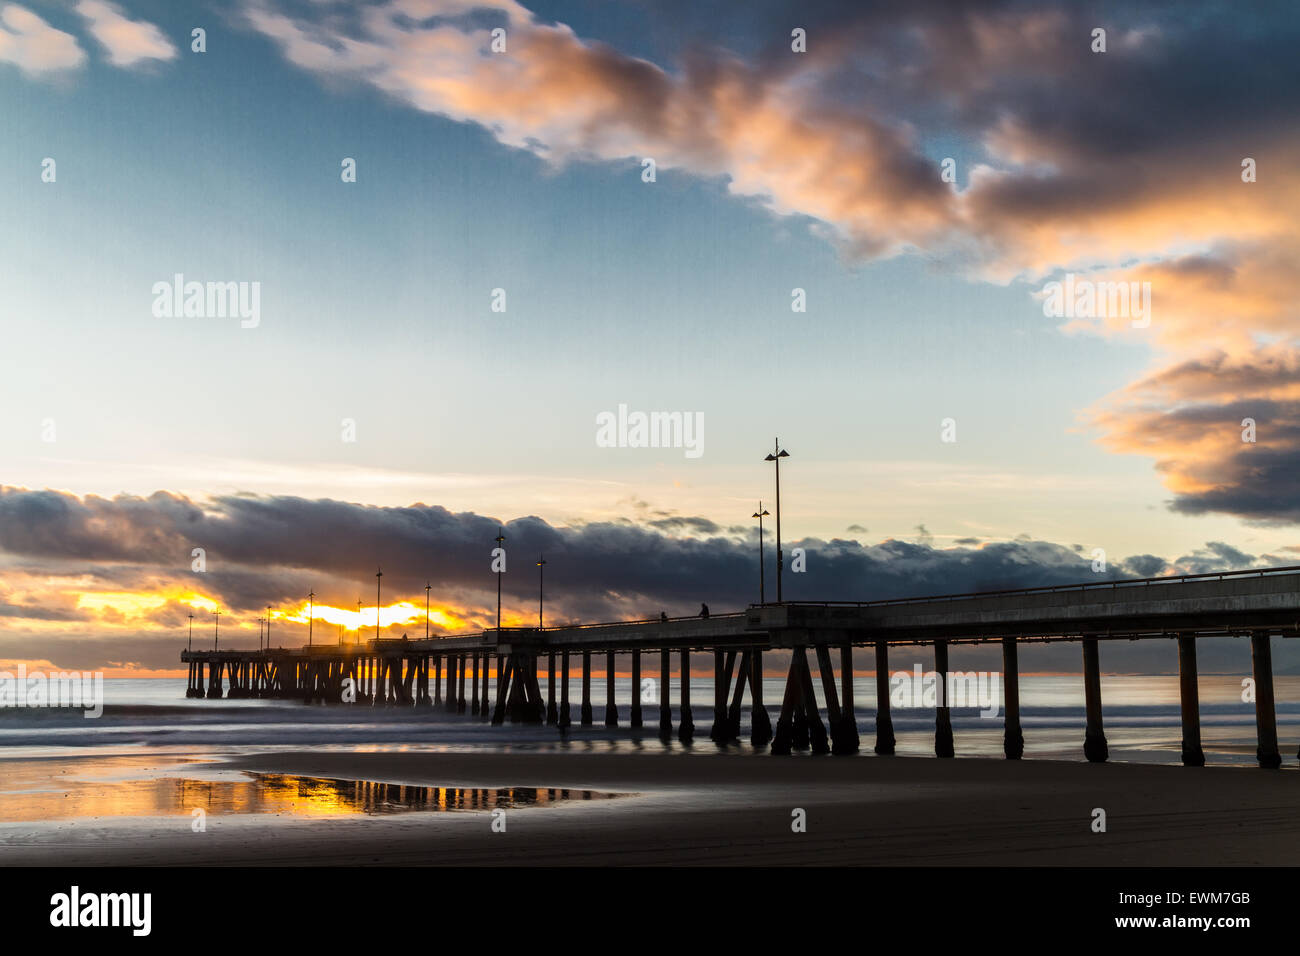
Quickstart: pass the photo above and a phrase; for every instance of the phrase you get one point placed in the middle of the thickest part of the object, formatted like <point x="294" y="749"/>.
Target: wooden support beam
<point x="942" y="714"/>
<point x="437" y="679"/>
<point x="849" y="740"/>
<point x="474" y="706"/>
<point x="816" y="729"/>
<point x="1094" y="741"/>
<point x="517" y="702"/>
<point x="563" y="717"/>
<point x="738" y="696"/>
<point x="884" y="723"/>
<point x="686" y="727"/>
<point x="503" y="681"/>
<point x="483" y="703"/>
<point x="721" y="684"/>
<point x="635" y="718"/>
<point x="586" y="688"/>
<point x="611" y="708"/>
<point x="760" y="725"/>
<point x="552" y="716"/>
<point x="453" y="682"/>
<point x="783" y="742"/>
<point x="536" y="710"/>
<point x="406" y="666"/>
<point x="665" y="689"/>
<point x="1189" y="701"/>
<point x="460" y="688"/>
<point x="585" y="705"/>
<point x="1261" y="658"/>
<point x="1013" y="741"/>
<point x="840" y="743"/>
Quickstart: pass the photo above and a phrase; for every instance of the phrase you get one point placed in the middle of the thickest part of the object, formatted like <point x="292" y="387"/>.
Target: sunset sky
<point x="128" y="440"/>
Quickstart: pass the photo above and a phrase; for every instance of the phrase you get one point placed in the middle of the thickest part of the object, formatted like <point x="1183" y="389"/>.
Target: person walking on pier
<point x="663" y="617"/>
<point x="704" y="610"/>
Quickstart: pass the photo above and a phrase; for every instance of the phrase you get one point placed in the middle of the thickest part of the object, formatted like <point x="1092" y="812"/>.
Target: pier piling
<point x="611" y="708"/>
<point x="552" y="716"/>
<point x="1094" y="741"/>
<point x="665" y="690"/>
<point x="586" y="688"/>
<point x="686" y="725"/>
<point x="635" y="717"/>
<point x="760" y="724"/>
<point x="1189" y="701"/>
<point x="1261" y="658"/>
<point x="564" y="718"/>
<point x="884" y="723"/>
<point x="1013" y="741"/>
<point x="849" y="741"/>
<point x="942" y="713"/>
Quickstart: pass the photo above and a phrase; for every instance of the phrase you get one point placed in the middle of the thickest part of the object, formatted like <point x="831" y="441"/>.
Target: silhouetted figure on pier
<point x="663" y="617"/>
<point x="704" y="610"/>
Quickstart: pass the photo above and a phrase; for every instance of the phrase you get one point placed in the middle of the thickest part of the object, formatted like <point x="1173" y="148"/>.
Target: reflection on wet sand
<point x="265" y="793"/>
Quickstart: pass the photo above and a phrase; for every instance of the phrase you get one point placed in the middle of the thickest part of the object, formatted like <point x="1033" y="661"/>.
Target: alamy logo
<point x="102" y="909"/>
<point x="651" y="430"/>
<point x="56" y="689"/>
<point x="962" y="689"/>
<point x="1086" y="299"/>
<point x="208" y="300"/>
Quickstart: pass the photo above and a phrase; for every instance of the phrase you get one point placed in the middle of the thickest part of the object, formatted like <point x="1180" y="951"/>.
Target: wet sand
<point x="711" y="809"/>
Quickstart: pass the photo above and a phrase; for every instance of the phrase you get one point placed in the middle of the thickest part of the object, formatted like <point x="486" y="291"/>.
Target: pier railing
<point x="1110" y="585"/>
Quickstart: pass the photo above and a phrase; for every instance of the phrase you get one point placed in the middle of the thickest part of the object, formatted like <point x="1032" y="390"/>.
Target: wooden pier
<point x="1258" y="604"/>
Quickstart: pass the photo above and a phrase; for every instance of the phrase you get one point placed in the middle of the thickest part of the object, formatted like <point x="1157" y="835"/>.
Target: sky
<point x="380" y="411"/>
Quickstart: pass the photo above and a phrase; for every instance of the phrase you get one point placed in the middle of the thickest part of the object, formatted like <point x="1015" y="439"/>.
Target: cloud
<point x="562" y="98"/>
<point x="1191" y="417"/>
<point x="1125" y="166"/>
<point x="33" y="45"/>
<point x="127" y="41"/>
<point x="101" y="567"/>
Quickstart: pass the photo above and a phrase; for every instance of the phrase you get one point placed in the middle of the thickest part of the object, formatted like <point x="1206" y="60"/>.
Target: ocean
<point x="1141" y="715"/>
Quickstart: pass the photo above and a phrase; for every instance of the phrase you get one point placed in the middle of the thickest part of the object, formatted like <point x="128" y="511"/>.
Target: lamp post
<point x="216" y="628"/>
<point x="777" y="454"/>
<point x="541" y="588"/>
<point x="760" y="514"/>
<point x="501" y="536"/>
<point x="191" y="632"/>
<point x="358" y="627"/>
<point x="428" y="586"/>
<point x="311" y="613"/>
<point x="268" y="627"/>
<point x="378" y="582"/>
<point x="260" y="622"/>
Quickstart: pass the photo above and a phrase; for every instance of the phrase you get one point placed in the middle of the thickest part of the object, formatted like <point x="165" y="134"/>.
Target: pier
<point x="1256" y="604"/>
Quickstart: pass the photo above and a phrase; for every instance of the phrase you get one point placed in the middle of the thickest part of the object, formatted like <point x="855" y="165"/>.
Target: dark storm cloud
<point x="269" y="550"/>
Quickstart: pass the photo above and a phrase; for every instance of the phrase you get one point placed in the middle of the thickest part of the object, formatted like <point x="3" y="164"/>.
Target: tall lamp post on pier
<point x="191" y="632"/>
<point x="777" y="454"/>
<point x="760" y="514"/>
<point x="268" y="627"/>
<point x="378" y="582"/>
<point x="311" y="613"/>
<point x="541" y="588"/>
<point x="216" y="627"/>
<point x="428" y="586"/>
<point x="501" y="536"/>
<point x="358" y="627"/>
